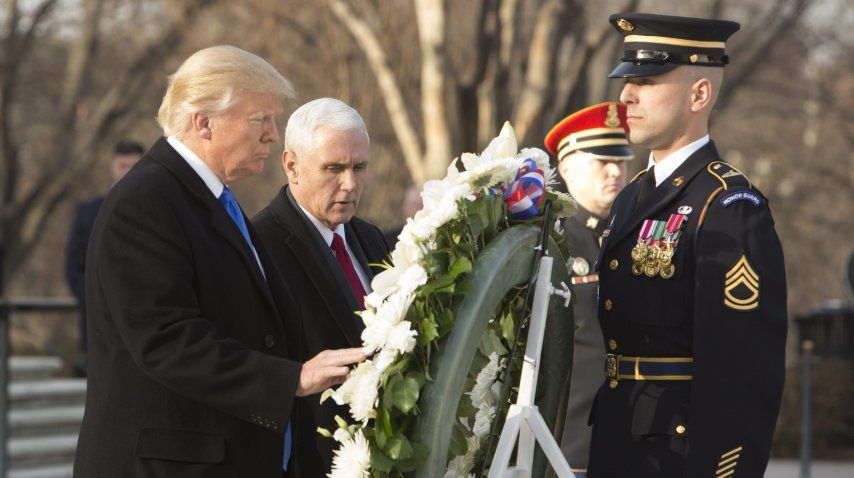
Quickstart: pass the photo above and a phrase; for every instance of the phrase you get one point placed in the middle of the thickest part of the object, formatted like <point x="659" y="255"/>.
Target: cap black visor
<point x="635" y="70"/>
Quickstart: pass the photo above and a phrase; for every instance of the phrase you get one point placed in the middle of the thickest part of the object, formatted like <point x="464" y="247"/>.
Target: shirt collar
<point x="210" y="178"/>
<point x="324" y="231"/>
<point x="665" y="166"/>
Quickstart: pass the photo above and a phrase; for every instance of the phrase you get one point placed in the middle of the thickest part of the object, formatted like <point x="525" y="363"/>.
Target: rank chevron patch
<point x="729" y="460"/>
<point x="741" y="286"/>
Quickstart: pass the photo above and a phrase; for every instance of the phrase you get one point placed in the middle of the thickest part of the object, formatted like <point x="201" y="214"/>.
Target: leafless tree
<point x="83" y="119"/>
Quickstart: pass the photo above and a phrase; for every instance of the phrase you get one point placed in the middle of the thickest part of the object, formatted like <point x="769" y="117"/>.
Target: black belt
<point x="620" y="367"/>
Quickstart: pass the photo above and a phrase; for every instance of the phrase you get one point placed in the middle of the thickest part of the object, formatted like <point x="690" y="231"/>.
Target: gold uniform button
<point x="680" y="429"/>
<point x="614" y="264"/>
<point x="609" y="304"/>
<point x="612" y="384"/>
<point x="612" y="344"/>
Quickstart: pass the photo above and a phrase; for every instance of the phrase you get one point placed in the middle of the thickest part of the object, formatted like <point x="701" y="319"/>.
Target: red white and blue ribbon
<point x="524" y="195"/>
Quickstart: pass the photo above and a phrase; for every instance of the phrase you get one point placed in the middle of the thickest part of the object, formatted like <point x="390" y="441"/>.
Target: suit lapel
<point x="164" y="154"/>
<point x="663" y="195"/>
<point x="306" y="245"/>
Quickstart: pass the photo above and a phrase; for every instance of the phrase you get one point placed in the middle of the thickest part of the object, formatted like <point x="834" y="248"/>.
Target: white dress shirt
<point x="210" y="178"/>
<point x="665" y="166"/>
<point x="327" y="233"/>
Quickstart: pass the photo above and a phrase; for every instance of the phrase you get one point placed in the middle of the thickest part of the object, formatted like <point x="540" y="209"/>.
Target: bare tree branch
<point x="436" y="86"/>
<point x="388" y="83"/>
<point x="28" y="217"/>
<point x="759" y="54"/>
<point x="79" y="63"/>
<point x="716" y="9"/>
<point x="541" y="59"/>
<point x="507" y="41"/>
<point x="485" y="40"/>
<point x="15" y="51"/>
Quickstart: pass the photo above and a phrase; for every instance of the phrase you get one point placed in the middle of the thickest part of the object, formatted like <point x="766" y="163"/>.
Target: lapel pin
<point x="678" y="181"/>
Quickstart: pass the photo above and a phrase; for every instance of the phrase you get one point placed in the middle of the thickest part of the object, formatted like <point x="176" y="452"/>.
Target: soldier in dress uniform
<point x="692" y="294"/>
<point x="592" y="149"/>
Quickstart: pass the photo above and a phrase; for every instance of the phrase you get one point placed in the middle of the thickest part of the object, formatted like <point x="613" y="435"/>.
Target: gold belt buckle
<point x="612" y="366"/>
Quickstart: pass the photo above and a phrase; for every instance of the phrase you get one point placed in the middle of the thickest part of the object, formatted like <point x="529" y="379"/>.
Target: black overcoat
<point x="327" y="305"/>
<point x="189" y="368"/>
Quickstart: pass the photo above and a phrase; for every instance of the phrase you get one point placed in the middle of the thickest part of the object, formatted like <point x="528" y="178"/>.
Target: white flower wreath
<point x="403" y="320"/>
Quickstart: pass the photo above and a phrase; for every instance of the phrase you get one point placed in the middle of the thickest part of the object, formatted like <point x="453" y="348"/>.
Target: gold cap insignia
<point x="625" y="25"/>
<point x="612" y="121"/>
<point x="742" y="276"/>
<point x="694" y="58"/>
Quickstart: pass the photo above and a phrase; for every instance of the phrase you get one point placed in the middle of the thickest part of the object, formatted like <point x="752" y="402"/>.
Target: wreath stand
<point x="524" y="422"/>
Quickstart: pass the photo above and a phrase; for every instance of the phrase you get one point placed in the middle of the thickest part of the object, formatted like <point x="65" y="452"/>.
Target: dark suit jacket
<point x="327" y="304"/>
<point x="189" y="373"/>
<point x="75" y="259"/>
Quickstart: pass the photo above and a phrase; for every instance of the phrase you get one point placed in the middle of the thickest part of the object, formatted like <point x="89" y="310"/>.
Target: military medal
<point x="651" y="266"/>
<point x="580" y="266"/>
<point x="653" y="254"/>
<point x="672" y="232"/>
<point x="639" y="251"/>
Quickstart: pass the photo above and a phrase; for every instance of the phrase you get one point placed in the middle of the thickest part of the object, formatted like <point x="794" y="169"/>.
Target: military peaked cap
<point x="599" y="130"/>
<point x="656" y="44"/>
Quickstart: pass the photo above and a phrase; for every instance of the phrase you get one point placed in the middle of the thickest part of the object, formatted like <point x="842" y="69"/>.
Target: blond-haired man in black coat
<point x="192" y="332"/>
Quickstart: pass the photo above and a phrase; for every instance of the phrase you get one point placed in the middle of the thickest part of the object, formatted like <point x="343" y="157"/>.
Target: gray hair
<point x="328" y="112"/>
<point x="209" y="82"/>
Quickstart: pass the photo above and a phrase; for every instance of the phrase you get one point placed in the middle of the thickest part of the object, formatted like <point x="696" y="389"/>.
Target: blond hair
<point x="209" y="81"/>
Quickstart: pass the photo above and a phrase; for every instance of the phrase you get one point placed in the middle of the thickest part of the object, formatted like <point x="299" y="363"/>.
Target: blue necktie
<point x="233" y="209"/>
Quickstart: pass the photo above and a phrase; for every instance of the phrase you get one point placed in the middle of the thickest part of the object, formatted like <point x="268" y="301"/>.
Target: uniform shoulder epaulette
<point x="735" y="188"/>
<point x="639" y="174"/>
<point x="728" y="175"/>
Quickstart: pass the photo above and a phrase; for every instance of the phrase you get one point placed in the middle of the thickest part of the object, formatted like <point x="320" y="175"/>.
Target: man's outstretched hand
<point x="326" y="369"/>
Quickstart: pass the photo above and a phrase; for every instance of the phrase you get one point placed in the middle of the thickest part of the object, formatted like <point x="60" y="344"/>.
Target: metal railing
<point x="7" y="307"/>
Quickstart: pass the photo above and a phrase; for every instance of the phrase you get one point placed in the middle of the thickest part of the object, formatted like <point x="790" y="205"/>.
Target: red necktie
<point x="340" y="251"/>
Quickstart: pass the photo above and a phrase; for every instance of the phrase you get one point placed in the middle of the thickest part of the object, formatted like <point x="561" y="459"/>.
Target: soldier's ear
<point x="701" y="95"/>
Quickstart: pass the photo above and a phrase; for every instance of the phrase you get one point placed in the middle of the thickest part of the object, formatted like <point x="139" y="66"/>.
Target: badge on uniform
<point x="580" y="266"/>
<point x="657" y="241"/>
<point x="741" y="286"/>
<point x="729" y="199"/>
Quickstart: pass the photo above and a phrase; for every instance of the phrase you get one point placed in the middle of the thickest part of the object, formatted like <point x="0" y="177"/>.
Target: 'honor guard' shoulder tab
<point x="735" y="187"/>
<point x="639" y="174"/>
<point x="728" y="175"/>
